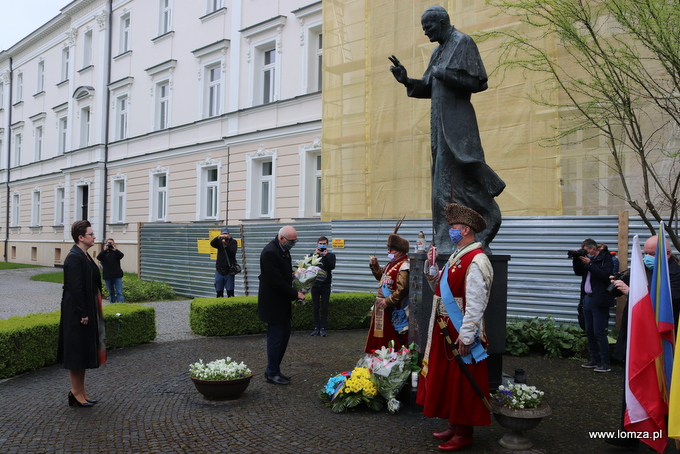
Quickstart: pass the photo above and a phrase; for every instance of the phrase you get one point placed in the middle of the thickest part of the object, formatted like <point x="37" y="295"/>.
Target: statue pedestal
<point x="420" y="297"/>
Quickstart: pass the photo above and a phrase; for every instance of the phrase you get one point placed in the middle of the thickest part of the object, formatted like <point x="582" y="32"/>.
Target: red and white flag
<point x="645" y="407"/>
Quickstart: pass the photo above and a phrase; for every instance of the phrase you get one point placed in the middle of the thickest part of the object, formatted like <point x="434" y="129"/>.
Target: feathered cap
<point x="459" y="214"/>
<point x="396" y="242"/>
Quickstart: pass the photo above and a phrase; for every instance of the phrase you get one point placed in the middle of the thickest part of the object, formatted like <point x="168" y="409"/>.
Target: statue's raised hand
<point x="398" y="70"/>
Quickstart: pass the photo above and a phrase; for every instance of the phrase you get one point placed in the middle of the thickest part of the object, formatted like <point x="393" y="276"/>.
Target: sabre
<point x="461" y="363"/>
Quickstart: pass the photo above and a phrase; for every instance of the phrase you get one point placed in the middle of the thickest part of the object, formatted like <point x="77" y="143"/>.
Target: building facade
<point x="136" y="111"/>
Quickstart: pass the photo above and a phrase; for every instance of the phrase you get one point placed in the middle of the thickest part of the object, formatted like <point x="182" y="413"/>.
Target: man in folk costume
<point x="389" y="321"/>
<point x="461" y="295"/>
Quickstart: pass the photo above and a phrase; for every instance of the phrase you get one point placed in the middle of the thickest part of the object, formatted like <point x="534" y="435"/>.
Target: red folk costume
<point x="394" y="288"/>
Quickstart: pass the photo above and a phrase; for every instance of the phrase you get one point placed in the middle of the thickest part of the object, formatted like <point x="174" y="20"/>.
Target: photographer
<point x="112" y="272"/>
<point x="226" y="257"/>
<point x="321" y="290"/>
<point x="595" y="267"/>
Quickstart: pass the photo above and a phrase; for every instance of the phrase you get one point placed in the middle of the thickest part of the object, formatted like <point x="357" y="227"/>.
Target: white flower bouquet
<point x="307" y="272"/>
<point x="391" y="369"/>
<point x="518" y="396"/>
<point x="221" y="369"/>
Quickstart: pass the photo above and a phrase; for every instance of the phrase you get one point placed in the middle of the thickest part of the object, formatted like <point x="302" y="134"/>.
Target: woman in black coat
<point x="81" y="327"/>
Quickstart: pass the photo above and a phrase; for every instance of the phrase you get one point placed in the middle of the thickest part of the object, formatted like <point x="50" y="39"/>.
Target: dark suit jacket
<point x="276" y="291"/>
<point x="600" y="267"/>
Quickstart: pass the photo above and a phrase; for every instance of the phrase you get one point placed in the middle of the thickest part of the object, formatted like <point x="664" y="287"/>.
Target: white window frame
<point x="213" y="90"/>
<point x="310" y="177"/>
<point x="62" y="137"/>
<point x="162" y="106"/>
<point x="119" y="199"/>
<point x="158" y="195"/>
<point x="39" y="147"/>
<point x="125" y="34"/>
<point x="18" y="146"/>
<point x="41" y="77"/>
<point x="164" y="17"/>
<point x="213" y="5"/>
<point x="122" y="115"/>
<point x="310" y="19"/>
<point x="2" y="95"/>
<point x="255" y="180"/>
<point x="36" y="207"/>
<point x="82" y="205"/>
<point x="208" y="203"/>
<point x="85" y="115"/>
<point x="261" y="38"/>
<point x="88" y="48"/>
<point x="20" y="87"/>
<point x="60" y="209"/>
<point x="65" y="62"/>
<point x="16" y="209"/>
<point x="268" y="74"/>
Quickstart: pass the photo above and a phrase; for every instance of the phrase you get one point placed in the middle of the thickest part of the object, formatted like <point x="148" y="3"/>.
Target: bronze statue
<point x="459" y="171"/>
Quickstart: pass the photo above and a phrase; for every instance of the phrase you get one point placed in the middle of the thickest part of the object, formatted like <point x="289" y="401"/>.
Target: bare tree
<point x="616" y="68"/>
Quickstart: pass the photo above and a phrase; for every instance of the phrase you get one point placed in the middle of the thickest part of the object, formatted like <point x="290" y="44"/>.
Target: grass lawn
<point x="11" y="266"/>
<point x="58" y="277"/>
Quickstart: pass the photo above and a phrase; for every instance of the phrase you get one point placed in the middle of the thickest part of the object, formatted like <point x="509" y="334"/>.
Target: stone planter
<point x="222" y="389"/>
<point x="518" y="421"/>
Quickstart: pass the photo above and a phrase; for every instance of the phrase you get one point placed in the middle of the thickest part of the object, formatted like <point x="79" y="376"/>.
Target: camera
<point x="620" y="276"/>
<point x="109" y="246"/>
<point x="579" y="253"/>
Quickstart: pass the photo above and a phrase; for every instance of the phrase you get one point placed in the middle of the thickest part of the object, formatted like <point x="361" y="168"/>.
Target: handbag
<point x="234" y="268"/>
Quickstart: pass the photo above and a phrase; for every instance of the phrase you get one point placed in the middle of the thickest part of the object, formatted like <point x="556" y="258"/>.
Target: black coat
<point x="600" y="267"/>
<point x="110" y="261"/>
<point x="230" y="249"/>
<point x="78" y="346"/>
<point x="276" y="292"/>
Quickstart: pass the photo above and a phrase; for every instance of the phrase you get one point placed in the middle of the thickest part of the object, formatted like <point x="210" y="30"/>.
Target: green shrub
<point x="136" y="290"/>
<point x="546" y="337"/>
<point x="238" y="316"/>
<point x="30" y="342"/>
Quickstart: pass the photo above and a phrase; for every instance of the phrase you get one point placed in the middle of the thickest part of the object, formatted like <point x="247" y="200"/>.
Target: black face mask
<point x="288" y="244"/>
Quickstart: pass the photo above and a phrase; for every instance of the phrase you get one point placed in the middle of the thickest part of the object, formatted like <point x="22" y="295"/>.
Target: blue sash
<point x="399" y="318"/>
<point x="476" y="349"/>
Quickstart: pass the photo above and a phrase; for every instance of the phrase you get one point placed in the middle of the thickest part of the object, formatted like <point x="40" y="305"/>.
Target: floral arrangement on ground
<point x="518" y="396"/>
<point x="220" y="369"/>
<point x="375" y="381"/>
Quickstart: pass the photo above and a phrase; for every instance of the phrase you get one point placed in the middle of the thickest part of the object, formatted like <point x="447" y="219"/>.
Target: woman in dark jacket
<point x="81" y="327"/>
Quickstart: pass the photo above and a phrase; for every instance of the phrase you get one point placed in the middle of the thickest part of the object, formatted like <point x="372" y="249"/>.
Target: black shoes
<point x="277" y="380"/>
<point x="73" y="401"/>
<point x="315" y="332"/>
<point x="322" y="332"/>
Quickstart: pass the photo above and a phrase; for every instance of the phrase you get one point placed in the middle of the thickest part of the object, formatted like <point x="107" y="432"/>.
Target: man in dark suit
<point x="274" y="298"/>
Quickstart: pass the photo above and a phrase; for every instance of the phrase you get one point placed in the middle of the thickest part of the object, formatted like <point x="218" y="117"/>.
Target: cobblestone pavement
<point x="147" y="404"/>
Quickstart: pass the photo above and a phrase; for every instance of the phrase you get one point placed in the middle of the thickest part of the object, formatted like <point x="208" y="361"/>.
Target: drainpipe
<point x="107" y="115"/>
<point x="9" y="156"/>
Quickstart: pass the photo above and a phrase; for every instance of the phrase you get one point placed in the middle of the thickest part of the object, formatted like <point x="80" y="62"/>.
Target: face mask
<point x="455" y="236"/>
<point x="390" y="257"/>
<point x="649" y="260"/>
<point x="288" y="245"/>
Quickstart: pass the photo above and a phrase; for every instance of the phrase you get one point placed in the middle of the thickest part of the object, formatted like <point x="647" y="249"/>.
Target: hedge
<point x="238" y="316"/>
<point x="30" y="342"/>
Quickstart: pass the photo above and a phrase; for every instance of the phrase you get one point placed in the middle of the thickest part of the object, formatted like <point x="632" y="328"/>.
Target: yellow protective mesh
<point x="376" y="140"/>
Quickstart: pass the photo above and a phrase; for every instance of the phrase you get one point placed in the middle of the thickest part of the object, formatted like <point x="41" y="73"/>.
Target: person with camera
<point x="321" y="290"/>
<point x="224" y="265"/>
<point x="112" y="272"/>
<point x="595" y="266"/>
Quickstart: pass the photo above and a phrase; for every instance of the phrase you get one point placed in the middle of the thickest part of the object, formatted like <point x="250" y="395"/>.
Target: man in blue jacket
<point x="595" y="269"/>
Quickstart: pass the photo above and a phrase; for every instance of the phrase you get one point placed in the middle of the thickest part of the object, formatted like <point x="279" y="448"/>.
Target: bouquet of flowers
<point x="307" y="273"/>
<point x="391" y="369"/>
<point x="349" y="389"/>
<point x="220" y="369"/>
<point x="517" y="396"/>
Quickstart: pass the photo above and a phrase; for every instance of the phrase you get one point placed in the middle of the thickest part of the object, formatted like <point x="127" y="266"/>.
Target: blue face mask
<point x="455" y="236"/>
<point x="649" y="260"/>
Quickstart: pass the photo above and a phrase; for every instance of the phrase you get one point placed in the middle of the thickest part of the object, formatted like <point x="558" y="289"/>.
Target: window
<point x="65" y="60"/>
<point x="214" y="74"/>
<point x="261" y="184"/>
<point x="63" y="135"/>
<point x="36" y="208"/>
<point x="121" y="117"/>
<point x="208" y="189"/>
<point x="87" y="48"/>
<point x="41" y="77"/>
<point x="310" y="180"/>
<point x="118" y="215"/>
<point x="162" y="105"/>
<point x="17" y="149"/>
<point x="37" y="155"/>
<point x="165" y="20"/>
<point x="213" y="5"/>
<point x="268" y="76"/>
<point x="20" y="87"/>
<point x="124" y="39"/>
<point x="2" y="95"/>
<point x="159" y="206"/>
<point x="59" y="205"/>
<point x="15" y="209"/>
<point x="82" y="202"/>
<point x="85" y="124"/>
<point x="317" y="185"/>
<point x="319" y="61"/>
